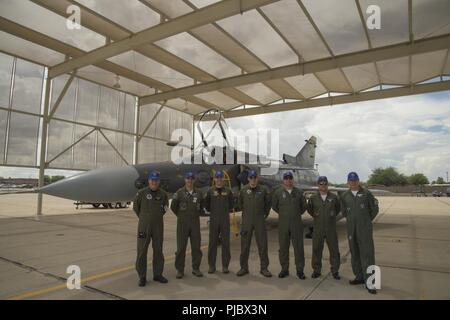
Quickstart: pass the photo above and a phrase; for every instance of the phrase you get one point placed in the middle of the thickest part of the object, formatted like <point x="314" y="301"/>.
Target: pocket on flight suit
<point x="141" y="240"/>
<point x="244" y="233"/>
<point x="142" y="235"/>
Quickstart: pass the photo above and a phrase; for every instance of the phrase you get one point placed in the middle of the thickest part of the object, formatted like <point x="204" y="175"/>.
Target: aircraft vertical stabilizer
<point x="307" y="155"/>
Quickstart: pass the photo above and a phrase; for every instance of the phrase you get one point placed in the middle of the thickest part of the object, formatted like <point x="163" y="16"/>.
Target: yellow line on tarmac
<point x="39" y="292"/>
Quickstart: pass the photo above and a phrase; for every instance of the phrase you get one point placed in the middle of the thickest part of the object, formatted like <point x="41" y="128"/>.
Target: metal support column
<point x="45" y="121"/>
<point x="193" y="134"/>
<point x="136" y="132"/>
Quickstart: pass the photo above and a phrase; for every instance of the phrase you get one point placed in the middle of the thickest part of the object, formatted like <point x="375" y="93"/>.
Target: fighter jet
<point x="120" y="184"/>
<point x="108" y="185"/>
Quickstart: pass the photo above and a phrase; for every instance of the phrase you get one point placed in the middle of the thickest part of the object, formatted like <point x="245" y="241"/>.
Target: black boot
<point x="160" y="278"/>
<point x="371" y="291"/>
<point x="283" y="274"/>
<point x="315" y="275"/>
<point x="211" y="270"/>
<point x="142" y="282"/>
<point x="356" y="281"/>
<point x="197" y="273"/>
<point x="266" y="273"/>
<point x="242" y="272"/>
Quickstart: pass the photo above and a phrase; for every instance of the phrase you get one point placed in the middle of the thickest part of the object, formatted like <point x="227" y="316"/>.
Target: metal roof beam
<point x="102" y="25"/>
<point x="280" y="87"/>
<point x="61" y="95"/>
<point x="140" y="135"/>
<point x="331" y="101"/>
<point x="346" y="60"/>
<point x="444" y="63"/>
<point x="411" y="39"/>
<point x="369" y="42"/>
<point x="324" y="41"/>
<point x="113" y="147"/>
<point x="61" y="47"/>
<point x="195" y="19"/>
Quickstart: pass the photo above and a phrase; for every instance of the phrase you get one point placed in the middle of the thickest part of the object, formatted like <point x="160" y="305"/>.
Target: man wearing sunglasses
<point x="323" y="206"/>
<point x="289" y="202"/>
<point x="360" y="207"/>
<point x="187" y="204"/>
<point x="254" y="201"/>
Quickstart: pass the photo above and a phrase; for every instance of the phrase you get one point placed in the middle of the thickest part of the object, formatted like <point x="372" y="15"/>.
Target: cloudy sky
<point x="409" y="133"/>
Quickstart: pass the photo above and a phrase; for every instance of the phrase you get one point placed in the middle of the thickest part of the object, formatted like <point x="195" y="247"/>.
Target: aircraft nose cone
<point x="99" y="185"/>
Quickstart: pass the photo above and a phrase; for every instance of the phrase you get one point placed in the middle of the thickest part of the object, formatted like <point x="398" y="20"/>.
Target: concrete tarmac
<point x="412" y="243"/>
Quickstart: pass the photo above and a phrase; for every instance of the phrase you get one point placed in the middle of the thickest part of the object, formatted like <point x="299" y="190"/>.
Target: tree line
<point x="391" y="177"/>
<point x="51" y="179"/>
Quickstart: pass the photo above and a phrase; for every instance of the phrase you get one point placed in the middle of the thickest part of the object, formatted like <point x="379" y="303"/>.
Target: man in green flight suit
<point x="323" y="206"/>
<point x="254" y="201"/>
<point x="360" y="207"/>
<point x="289" y="202"/>
<point x="187" y="204"/>
<point x="150" y="204"/>
<point x="219" y="202"/>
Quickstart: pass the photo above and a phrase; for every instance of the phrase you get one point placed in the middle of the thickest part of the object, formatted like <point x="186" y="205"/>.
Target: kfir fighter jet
<point x="120" y="184"/>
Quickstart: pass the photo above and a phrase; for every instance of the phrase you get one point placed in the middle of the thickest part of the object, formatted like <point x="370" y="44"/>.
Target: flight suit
<point x="150" y="206"/>
<point x="219" y="202"/>
<point x="290" y="208"/>
<point x="255" y="206"/>
<point x="324" y="213"/>
<point x="187" y="207"/>
<point x="360" y="210"/>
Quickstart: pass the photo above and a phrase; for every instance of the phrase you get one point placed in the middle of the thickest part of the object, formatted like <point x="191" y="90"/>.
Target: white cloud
<point x="363" y="136"/>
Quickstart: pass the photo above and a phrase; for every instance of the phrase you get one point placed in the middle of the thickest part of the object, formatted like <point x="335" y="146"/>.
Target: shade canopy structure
<point x="94" y="83"/>
<point x="243" y="57"/>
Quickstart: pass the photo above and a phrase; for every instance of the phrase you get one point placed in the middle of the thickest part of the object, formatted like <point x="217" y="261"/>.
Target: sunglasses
<point x="252" y="177"/>
<point x="190" y="178"/>
<point x="287" y="178"/>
